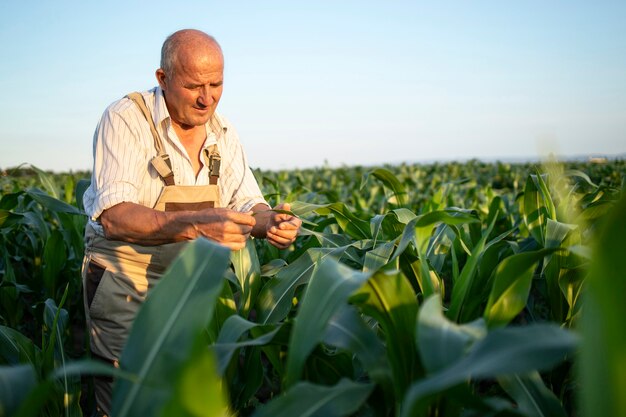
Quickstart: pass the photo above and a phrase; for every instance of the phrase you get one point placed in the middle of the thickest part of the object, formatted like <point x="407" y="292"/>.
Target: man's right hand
<point x="227" y="227"/>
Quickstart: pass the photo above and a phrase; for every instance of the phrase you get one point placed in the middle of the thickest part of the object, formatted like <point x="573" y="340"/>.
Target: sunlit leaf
<point x="327" y="292"/>
<point x="164" y="330"/>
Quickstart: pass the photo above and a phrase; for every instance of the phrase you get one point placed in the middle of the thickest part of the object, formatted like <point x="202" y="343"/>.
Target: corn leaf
<point x="275" y="299"/>
<point x="503" y="351"/>
<point x="198" y="390"/>
<point x="164" y="330"/>
<point x="390" y="300"/>
<point x="390" y="181"/>
<point x="511" y="287"/>
<point x="327" y="292"/>
<point x="603" y="357"/>
<point x="16" y="382"/>
<point x="310" y="400"/>
<point x="440" y="341"/>
<point x="248" y="272"/>
<point x="532" y="396"/>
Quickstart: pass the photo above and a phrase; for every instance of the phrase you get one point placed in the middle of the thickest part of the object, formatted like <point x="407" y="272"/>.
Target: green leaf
<point x="378" y="257"/>
<point x="347" y="330"/>
<point x="511" y="287"/>
<point x="309" y="400"/>
<point x="602" y="371"/>
<point x="16" y="348"/>
<point x="275" y="299"/>
<point x="538" y="206"/>
<point x="54" y="257"/>
<point x="228" y="341"/>
<point x="175" y="311"/>
<point x="90" y="367"/>
<point x="52" y="203"/>
<point x="198" y="390"/>
<point x="81" y="186"/>
<point x="464" y="282"/>
<point x="390" y="181"/>
<point x="391" y="301"/>
<point x="504" y="351"/>
<point x="328" y="290"/>
<point x="16" y="382"/>
<point x="47" y="180"/>
<point x="248" y="272"/>
<point x="440" y="341"/>
<point x="532" y="396"/>
<point x="352" y="225"/>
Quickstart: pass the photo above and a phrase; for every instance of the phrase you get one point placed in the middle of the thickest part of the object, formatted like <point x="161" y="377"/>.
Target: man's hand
<point x="227" y="227"/>
<point x="282" y="229"/>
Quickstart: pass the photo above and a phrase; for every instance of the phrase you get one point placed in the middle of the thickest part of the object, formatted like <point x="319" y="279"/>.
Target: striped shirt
<point x="123" y="147"/>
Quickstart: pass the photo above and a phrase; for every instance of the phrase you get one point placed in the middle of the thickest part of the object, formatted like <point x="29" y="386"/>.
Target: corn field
<point x="457" y="289"/>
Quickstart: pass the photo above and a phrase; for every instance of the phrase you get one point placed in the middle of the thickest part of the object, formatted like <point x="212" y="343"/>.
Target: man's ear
<point x="161" y="78"/>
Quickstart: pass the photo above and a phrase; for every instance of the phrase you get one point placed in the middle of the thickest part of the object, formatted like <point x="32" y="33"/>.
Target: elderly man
<point x="167" y="169"/>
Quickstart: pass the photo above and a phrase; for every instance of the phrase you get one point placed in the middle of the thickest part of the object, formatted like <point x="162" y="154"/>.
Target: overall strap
<point x="213" y="160"/>
<point x="161" y="163"/>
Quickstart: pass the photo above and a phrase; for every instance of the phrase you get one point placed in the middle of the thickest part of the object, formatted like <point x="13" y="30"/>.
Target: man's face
<point x="195" y="87"/>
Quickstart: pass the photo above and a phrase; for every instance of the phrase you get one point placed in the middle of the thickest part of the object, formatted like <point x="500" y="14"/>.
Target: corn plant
<point x="448" y="289"/>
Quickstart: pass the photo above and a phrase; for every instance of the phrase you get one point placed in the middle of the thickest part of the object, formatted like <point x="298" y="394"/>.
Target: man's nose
<point x="205" y="98"/>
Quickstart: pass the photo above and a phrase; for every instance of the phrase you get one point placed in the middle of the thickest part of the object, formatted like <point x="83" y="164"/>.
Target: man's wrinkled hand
<point x="282" y="229"/>
<point x="227" y="227"/>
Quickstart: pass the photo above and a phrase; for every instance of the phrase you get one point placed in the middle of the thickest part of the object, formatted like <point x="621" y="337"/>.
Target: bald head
<point x="187" y="44"/>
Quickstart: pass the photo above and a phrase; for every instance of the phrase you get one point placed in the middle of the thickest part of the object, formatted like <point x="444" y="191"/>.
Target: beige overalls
<point x="117" y="275"/>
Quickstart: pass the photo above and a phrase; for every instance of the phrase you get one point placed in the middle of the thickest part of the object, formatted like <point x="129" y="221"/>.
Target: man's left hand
<point x="282" y="229"/>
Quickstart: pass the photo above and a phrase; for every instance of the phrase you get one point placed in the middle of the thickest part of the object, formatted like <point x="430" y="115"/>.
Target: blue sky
<point x="338" y="83"/>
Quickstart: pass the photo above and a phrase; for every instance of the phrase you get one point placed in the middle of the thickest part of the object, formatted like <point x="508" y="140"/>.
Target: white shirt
<point x="123" y="147"/>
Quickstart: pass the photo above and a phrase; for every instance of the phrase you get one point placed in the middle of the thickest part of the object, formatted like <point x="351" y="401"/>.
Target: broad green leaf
<point x="309" y="400"/>
<point x="532" y="396"/>
<point x="16" y="382"/>
<point x="378" y="257"/>
<point x="248" y="272"/>
<point x="602" y="368"/>
<point x="7" y="218"/>
<point x="198" y="390"/>
<point x="347" y="330"/>
<point x="462" y="285"/>
<point x="164" y="330"/>
<point x="16" y="348"/>
<point x="336" y="241"/>
<point x="352" y="225"/>
<point x="228" y="341"/>
<point x="48" y="182"/>
<point x="81" y="187"/>
<point x="419" y="229"/>
<point x="555" y="268"/>
<point x="56" y="320"/>
<point x="391" y="301"/>
<point x="328" y="291"/>
<point x="511" y="287"/>
<point x="275" y="299"/>
<point x="54" y="256"/>
<point x="580" y="174"/>
<point x="390" y="181"/>
<point x="90" y="367"/>
<point x="538" y="206"/>
<point x="440" y="341"/>
<point x="52" y="203"/>
<point x="504" y="351"/>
